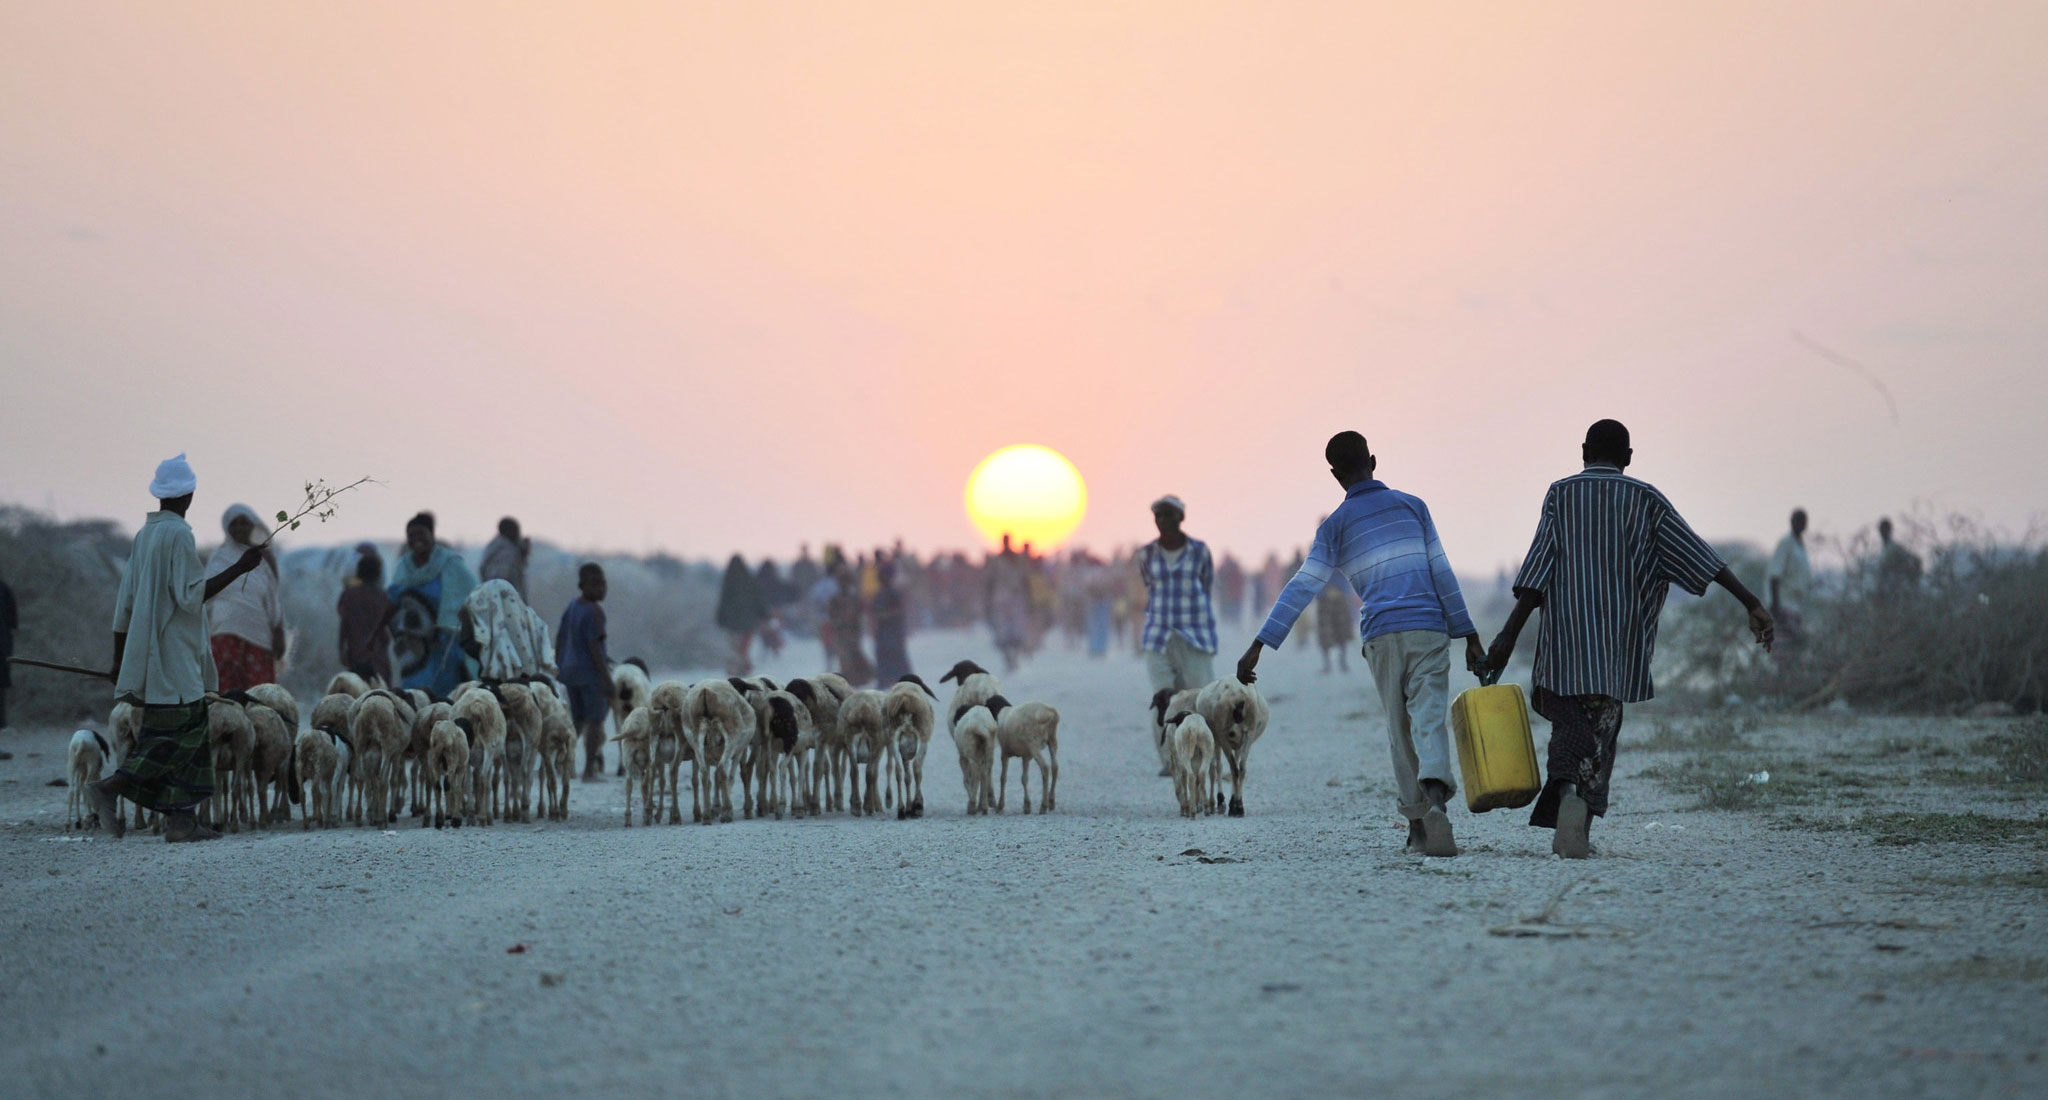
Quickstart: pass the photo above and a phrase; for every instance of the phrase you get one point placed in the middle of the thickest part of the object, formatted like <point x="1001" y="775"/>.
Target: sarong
<point x="1583" y="731"/>
<point x="170" y="769"/>
<point x="242" y="663"/>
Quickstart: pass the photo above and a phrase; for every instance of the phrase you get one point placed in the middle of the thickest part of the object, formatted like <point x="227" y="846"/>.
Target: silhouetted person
<point x="1179" y="638"/>
<point x="505" y="557"/>
<point x="1898" y="569"/>
<point x="1384" y="544"/>
<point x="1789" y="583"/>
<point x="741" y="611"/>
<point x="1607" y="550"/>
<point x="365" y="611"/>
<point x="585" y="667"/>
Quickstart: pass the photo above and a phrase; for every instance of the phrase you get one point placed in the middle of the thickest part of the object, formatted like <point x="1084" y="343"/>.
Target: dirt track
<point x="1081" y="954"/>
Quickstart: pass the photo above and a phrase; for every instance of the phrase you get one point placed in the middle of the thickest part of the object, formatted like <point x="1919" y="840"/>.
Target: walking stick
<point x="95" y="673"/>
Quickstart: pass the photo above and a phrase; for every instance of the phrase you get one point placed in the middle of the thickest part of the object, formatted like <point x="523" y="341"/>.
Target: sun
<point x="1031" y="493"/>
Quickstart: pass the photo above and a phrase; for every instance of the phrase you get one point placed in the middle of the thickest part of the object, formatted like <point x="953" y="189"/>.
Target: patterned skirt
<point x="242" y="663"/>
<point x="1583" y="733"/>
<point x="170" y="770"/>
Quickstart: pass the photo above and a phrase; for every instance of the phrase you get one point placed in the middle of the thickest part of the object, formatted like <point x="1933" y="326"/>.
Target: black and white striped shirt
<point x="1607" y="550"/>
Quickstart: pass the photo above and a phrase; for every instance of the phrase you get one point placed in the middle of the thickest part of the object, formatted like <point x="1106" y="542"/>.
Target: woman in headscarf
<point x="892" y="627"/>
<point x="429" y="584"/>
<point x="843" y="615"/>
<point x="245" y="622"/>
<point x="741" y="610"/>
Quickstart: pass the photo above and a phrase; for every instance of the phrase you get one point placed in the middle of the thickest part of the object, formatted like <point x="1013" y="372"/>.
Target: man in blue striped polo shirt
<point x="1385" y="544"/>
<point x="1607" y="550"/>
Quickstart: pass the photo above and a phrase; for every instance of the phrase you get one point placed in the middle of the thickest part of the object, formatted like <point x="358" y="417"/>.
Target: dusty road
<point x="1779" y="951"/>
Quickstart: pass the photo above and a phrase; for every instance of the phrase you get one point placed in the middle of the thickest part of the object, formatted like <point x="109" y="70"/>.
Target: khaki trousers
<point x="1412" y="669"/>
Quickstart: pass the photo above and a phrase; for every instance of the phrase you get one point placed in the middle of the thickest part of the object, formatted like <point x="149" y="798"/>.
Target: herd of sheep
<point x="803" y="748"/>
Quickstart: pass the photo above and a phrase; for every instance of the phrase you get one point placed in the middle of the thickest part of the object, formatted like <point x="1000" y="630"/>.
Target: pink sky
<point x="751" y="274"/>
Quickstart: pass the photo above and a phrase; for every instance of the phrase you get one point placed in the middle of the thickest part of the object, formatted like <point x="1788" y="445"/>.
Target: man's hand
<point x="1475" y="656"/>
<point x="1247" y="665"/>
<point x="250" y="559"/>
<point x="1763" y="626"/>
<point x="1497" y="656"/>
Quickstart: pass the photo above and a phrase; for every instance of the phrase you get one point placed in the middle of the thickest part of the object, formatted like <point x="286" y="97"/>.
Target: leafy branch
<point x="319" y="504"/>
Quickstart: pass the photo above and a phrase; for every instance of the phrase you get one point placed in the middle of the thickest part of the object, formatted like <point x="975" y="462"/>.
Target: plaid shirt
<point x="1179" y="596"/>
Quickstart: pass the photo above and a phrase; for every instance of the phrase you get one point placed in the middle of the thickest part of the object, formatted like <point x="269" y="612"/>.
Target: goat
<point x="486" y="750"/>
<point x="908" y="717"/>
<point x="87" y="757"/>
<point x="720" y="726"/>
<point x="867" y="740"/>
<point x="974" y="735"/>
<point x="1237" y="715"/>
<point x="1029" y="731"/>
<point x="447" y="768"/>
<point x="1194" y="754"/>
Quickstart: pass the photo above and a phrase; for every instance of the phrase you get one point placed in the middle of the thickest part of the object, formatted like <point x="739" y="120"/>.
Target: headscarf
<point x="174" y="478"/>
<point x="227" y="520"/>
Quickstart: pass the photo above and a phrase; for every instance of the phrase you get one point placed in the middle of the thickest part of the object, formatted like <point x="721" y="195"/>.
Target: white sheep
<point x="632" y="687"/>
<point x="87" y="757"/>
<point x="270" y="765"/>
<point x="124" y="729"/>
<point x="977" y="685"/>
<point x="523" y="720"/>
<point x="320" y="763"/>
<point x="834" y="756"/>
<point x="380" y="725"/>
<point x="447" y="768"/>
<point x="1237" y="715"/>
<point x="426" y="710"/>
<point x="785" y="739"/>
<point x="229" y="733"/>
<point x="1194" y="754"/>
<point x="907" y="713"/>
<point x="670" y="746"/>
<point x="1167" y="701"/>
<point x="557" y="754"/>
<point x="1030" y="732"/>
<point x="349" y="684"/>
<point x="867" y="739"/>
<point x="635" y="738"/>
<point x="720" y="727"/>
<point x="756" y="768"/>
<point x="280" y="700"/>
<point x="486" y="749"/>
<point x="974" y="735"/>
<point x="815" y="754"/>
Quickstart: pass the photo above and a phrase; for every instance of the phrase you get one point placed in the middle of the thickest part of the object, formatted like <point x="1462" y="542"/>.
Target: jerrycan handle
<point x="1489" y="678"/>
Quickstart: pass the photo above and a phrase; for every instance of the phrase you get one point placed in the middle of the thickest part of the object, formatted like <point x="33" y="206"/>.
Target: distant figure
<point x="803" y="573"/>
<point x="741" y="611"/>
<point x="507" y="639"/>
<point x="1333" y="625"/>
<point x="1607" y="549"/>
<point x="586" y="666"/>
<point x="842" y="616"/>
<point x="1383" y="544"/>
<point x="10" y="621"/>
<point x="429" y="584"/>
<point x="1789" y="582"/>
<point x="1180" y="623"/>
<point x="246" y="622"/>
<point x="163" y="664"/>
<point x="1006" y="591"/>
<point x="505" y="557"/>
<point x="892" y="627"/>
<point x="365" y="612"/>
<point x="1898" y="569"/>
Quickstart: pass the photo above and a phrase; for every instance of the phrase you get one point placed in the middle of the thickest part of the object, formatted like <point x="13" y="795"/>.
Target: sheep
<point x="320" y="761"/>
<point x="426" y="711"/>
<point x="523" y="720"/>
<point x="1194" y="754"/>
<point x="379" y="726"/>
<point x="270" y="764"/>
<point x="557" y="755"/>
<point x="1237" y="715"/>
<point x="815" y="753"/>
<point x="671" y="746"/>
<point x="977" y="685"/>
<point x="233" y="739"/>
<point x="280" y="700"/>
<point x="867" y="740"/>
<point x="974" y="735"/>
<point x="447" y="768"/>
<point x="1167" y="701"/>
<point x="756" y="766"/>
<point x="124" y="726"/>
<point x="907" y="713"/>
<point x="720" y="728"/>
<point x="486" y="749"/>
<point x="831" y="691"/>
<point x="1029" y="731"/>
<point x="349" y="684"/>
<point x="88" y="758"/>
<point x="635" y="738"/>
<point x="631" y="686"/>
<point x="786" y="735"/>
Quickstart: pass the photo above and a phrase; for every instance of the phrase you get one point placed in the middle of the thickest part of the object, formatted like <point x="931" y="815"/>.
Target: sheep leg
<point x="1237" y="769"/>
<point x="917" y="776"/>
<point x="1003" y="785"/>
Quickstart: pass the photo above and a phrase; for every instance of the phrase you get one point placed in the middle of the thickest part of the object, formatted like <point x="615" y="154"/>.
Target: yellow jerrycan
<point x="1496" y="754"/>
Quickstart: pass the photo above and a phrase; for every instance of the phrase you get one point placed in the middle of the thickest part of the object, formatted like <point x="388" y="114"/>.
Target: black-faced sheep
<point x="86" y="758"/>
<point x="1237" y="715"/>
<point x="908" y="716"/>
<point x="974" y="736"/>
<point x="1029" y="732"/>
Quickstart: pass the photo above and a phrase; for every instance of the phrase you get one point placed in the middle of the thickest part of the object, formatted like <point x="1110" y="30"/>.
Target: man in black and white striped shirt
<point x="1608" y="548"/>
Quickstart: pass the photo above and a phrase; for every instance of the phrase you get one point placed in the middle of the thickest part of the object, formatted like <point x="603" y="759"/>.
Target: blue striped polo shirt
<point x="1385" y="544"/>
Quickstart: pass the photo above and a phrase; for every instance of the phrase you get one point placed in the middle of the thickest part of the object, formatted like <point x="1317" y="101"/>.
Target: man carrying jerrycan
<point x="1607" y="549"/>
<point x="1385" y="544"/>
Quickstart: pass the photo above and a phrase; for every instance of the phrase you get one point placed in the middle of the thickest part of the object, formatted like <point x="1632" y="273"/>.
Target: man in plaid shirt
<point x="1180" y="623"/>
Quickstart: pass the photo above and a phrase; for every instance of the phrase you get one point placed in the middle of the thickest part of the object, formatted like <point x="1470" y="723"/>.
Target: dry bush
<point x="65" y="577"/>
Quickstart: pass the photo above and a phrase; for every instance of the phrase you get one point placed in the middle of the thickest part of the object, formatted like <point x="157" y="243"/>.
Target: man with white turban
<point x="162" y="664"/>
<point x="246" y="623"/>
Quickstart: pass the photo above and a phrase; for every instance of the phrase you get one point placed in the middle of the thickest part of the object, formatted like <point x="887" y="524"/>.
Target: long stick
<point x="95" y="673"/>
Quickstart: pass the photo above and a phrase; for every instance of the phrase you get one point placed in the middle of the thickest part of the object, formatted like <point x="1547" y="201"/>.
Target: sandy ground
<point x="1081" y="954"/>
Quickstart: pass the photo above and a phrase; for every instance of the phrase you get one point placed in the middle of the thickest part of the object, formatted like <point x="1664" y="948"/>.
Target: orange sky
<point x="742" y="276"/>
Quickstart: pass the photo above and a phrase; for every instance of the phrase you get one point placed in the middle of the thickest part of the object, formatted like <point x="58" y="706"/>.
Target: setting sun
<point x="1031" y="493"/>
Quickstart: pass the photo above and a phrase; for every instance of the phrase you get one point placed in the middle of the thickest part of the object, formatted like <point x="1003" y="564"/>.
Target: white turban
<point x="174" y="478"/>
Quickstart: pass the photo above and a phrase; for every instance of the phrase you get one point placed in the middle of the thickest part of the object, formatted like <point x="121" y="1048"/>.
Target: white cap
<point x="1173" y="502"/>
<point x="174" y="478"/>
